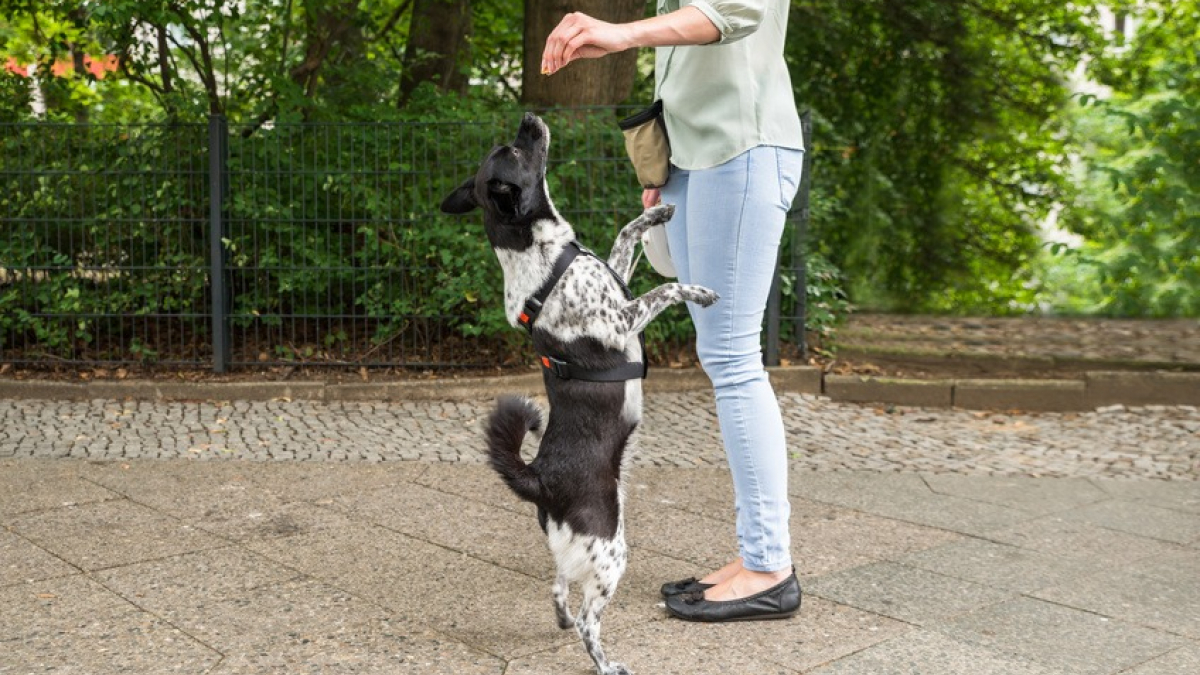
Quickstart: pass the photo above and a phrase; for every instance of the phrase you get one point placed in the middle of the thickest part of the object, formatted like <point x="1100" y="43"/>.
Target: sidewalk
<point x="291" y="537"/>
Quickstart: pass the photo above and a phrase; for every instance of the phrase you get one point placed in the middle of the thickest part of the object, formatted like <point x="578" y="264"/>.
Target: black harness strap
<point x="562" y="369"/>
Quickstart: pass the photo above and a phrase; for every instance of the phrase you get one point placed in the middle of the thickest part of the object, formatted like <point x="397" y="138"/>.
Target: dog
<point x="588" y="324"/>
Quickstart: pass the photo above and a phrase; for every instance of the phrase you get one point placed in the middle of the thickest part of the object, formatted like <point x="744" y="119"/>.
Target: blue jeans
<point x="725" y="235"/>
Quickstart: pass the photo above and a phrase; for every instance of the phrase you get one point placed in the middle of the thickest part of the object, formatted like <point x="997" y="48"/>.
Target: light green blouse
<point x="725" y="98"/>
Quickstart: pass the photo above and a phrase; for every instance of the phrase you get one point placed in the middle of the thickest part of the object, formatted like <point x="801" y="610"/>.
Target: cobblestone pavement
<point x="680" y="430"/>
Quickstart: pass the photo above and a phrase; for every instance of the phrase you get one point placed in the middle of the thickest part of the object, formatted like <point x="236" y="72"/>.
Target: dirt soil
<point x="916" y="347"/>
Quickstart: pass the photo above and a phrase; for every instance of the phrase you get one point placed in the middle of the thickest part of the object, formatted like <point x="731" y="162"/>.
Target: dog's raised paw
<point x="660" y="213"/>
<point x="705" y="297"/>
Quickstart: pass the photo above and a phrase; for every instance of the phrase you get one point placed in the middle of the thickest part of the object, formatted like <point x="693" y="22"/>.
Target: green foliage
<point x="1139" y="176"/>
<point x="104" y="226"/>
<point x="938" y="141"/>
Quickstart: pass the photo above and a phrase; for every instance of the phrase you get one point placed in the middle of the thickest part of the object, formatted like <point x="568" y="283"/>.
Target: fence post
<point x="798" y="216"/>
<point x="218" y="188"/>
<point x="799" y="261"/>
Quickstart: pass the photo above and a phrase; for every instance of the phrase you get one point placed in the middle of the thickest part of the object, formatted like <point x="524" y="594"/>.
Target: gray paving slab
<point x="107" y="534"/>
<point x="177" y="586"/>
<point x="1000" y="565"/>
<point x="1024" y="493"/>
<point x="906" y="497"/>
<point x="906" y="593"/>
<point x="368" y="537"/>
<point x="75" y="625"/>
<point x="514" y="540"/>
<point x="22" y="562"/>
<point x="1059" y="637"/>
<point x="708" y="543"/>
<point x="704" y="492"/>
<point x="1066" y="536"/>
<point x="382" y="647"/>
<point x="377" y="647"/>
<point x="1182" y="660"/>
<point x="1176" y="495"/>
<point x="921" y="652"/>
<point x="825" y="631"/>
<point x="27" y="486"/>
<point x="1142" y="519"/>
<point x="828" y="539"/>
<point x="1160" y="592"/>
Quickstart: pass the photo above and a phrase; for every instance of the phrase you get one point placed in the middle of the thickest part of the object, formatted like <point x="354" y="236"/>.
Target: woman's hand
<point x="651" y="197"/>
<point x="579" y="36"/>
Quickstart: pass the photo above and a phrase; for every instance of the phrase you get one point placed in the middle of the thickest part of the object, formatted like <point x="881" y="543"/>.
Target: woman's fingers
<point x="579" y="36"/>
<point x="651" y="197"/>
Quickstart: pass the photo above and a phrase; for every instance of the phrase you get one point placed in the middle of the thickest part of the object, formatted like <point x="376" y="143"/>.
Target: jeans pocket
<point x="791" y="165"/>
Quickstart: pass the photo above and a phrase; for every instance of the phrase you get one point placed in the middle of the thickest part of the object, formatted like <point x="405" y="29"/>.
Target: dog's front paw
<point x="617" y="669"/>
<point x="705" y="297"/>
<point x="659" y="214"/>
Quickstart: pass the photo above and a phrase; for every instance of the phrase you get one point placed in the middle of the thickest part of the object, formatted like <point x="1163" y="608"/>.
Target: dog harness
<point x="632" y="370"/>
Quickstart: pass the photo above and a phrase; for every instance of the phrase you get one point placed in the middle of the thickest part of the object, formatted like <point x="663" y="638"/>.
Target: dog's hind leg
<point x="561" y="611"/>
<point x="595" y="598"/>
<point x="639" y="312"/>
<point x="621" y="257"/>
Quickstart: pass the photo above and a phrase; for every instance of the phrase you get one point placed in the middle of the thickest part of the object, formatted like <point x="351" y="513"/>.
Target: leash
<point x="632" y="370"/>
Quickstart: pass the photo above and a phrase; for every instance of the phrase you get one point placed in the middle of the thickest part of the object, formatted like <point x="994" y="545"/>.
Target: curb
<point x="1096" y="389"/>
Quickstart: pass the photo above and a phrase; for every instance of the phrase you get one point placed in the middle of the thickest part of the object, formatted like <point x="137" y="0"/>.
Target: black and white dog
<point x="587" y="324"/>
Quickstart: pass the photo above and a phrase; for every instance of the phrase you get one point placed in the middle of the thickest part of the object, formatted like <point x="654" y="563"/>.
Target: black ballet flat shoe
<point x="689" y="585"/>
<point x="780" y="601"/>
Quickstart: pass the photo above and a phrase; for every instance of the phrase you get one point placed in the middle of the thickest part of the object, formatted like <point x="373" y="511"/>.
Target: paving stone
<point x="998" y="565"/>
<point x="516" y="541"/>
<point x="822" y="631"/>
<point x="907" y="497"/>
<point x="1024" y="493"/>
<point x="905" y="593"/>
<point x="1183" y="660"/>
<point x="1072" y="641"/>
<point x="828" y="539"/>
<point x="1159" y="592"/>
<point x="27" y="486"/>
<point x="23" y="562"/>
<point x="74" y="625"/>
<point x="680" y="430"/>
<point x="107" y="534"/>
<point x="381" y="646"/>
<point x="705" y="542"/>
<point x="179" y="586"/>
<point x="1176" y="495"/>
<point x="921" y="652"/>
<point x="1141" y="519"/>
<point x="1062" y="535"/>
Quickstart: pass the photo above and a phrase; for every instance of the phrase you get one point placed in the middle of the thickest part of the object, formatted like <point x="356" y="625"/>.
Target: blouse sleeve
<point x="735" y="19"/>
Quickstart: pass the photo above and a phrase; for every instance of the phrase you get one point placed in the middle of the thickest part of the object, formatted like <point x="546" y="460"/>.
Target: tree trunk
<point x="437" y="42"/>
<point x="604" y="81"/>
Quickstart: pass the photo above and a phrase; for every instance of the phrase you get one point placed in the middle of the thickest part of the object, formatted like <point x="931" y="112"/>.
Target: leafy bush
<point x="335" y="248"/>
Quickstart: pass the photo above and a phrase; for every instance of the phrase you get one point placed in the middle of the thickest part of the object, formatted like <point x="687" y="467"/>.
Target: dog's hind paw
<point x="616" y="669"/>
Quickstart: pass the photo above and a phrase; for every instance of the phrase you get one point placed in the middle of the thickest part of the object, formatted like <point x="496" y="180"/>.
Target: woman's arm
<point x="579" y="36"/>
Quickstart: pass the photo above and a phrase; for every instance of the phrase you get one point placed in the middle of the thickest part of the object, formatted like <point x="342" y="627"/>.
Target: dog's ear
<point x="462" y="199"/>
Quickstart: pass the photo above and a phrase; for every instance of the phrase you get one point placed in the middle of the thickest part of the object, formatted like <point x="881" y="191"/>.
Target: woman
<point x="736" y="154"/>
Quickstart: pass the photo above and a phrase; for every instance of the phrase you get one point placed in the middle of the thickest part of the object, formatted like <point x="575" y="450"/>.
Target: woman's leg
<point x="725" y="235"/>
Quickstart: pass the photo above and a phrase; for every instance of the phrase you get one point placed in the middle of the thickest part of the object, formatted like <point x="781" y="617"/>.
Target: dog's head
<point x="510" y="187"/>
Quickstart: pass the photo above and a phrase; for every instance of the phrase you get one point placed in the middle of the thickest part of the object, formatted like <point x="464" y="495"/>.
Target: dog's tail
<point x="513" y="417"/>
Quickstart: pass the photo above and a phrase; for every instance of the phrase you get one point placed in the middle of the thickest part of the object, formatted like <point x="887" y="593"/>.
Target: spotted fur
<point x="576" y="478"/>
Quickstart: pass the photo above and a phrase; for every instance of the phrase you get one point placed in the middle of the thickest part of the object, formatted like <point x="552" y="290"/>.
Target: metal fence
<point x="221" y="246"/>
